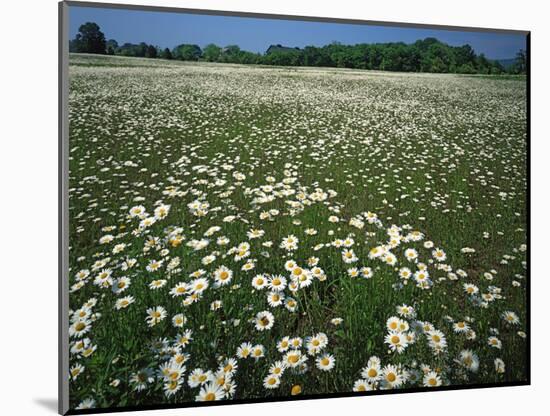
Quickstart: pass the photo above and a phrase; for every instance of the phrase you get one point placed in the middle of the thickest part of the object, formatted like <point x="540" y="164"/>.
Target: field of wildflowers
<point x="241" y="232"/>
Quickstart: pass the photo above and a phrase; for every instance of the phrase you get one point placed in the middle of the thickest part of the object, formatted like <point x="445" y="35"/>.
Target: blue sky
<point x="167" y="29"/>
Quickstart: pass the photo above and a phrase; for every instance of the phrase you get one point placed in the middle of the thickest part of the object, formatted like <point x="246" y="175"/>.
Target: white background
<point x="28" y="203"/>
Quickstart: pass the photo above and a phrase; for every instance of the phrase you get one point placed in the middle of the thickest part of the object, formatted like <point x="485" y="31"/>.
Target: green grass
<point x="431" y="153"/>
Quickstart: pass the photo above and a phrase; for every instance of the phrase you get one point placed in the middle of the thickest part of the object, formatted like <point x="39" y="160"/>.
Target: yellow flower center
<point x="293" y="358"/>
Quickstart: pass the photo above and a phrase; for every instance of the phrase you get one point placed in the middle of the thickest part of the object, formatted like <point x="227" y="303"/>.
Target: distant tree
<point x="187" y="52"/>
<point x="439" y="58"/>
<point x="496" y="68"/>
<point x="520" y="64"/>
<point x="373" y="56"/>
<point x="127" y="49"/>
<point x="166" y="54"/>
<point x="464" y="55"/>
<point x="211" y="53"/>
<point x="311" y="56"/>
<point x="284" y="57"/>
<point x="90" y="39"/>
<point x="483" y="65"/>
<point x="151" y="51"/>
<point x="394" y="57"/>
<point x="314" y="56"/>
<point x="230" y="54"/>
<point x="337" y="54"/>
<point x="111" y="46"/>
<point x="245" y="57"/>
<point x="141" y="49"/>
<point x="412" y="59"/>
<point x="467" y="68"/>
<point x="73" y="45"/>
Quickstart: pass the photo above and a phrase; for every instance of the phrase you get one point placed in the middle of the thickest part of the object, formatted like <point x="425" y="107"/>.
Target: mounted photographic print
<point x="265" y="208"/>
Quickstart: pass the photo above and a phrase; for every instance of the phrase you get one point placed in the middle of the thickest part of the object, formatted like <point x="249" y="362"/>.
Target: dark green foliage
<point x="73" y="45"/>
<point x="520" y="64"/>
<point x="187" y="52"/>
<point x="151" y="52"/>
<point x="166" y="54"/>
<point x="130" y="49"/>
<point x="89" y="39"/>
<point x="212" y="53"/>
<point x="112" y="46"/>
<point x="141" y="50"/>
<point x="233" y="54"/>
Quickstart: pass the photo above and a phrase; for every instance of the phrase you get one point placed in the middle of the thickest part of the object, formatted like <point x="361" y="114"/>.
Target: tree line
<point x="427" y="55"/>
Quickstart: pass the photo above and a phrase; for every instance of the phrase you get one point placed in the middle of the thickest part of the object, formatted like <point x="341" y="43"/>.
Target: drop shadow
<point x="49" y="404"/>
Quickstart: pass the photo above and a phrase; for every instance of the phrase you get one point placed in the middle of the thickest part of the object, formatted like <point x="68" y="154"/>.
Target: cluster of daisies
<point x="296" y="354"/>
<point x="376" y="376"/>
<point x="403" y="331"/>
<point x="281" y="290"/>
